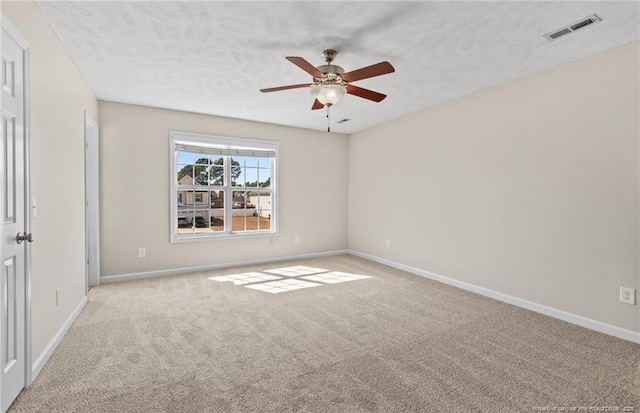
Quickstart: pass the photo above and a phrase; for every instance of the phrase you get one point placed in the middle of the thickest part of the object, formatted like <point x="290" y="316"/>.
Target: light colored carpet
<point x="392" y="343"/>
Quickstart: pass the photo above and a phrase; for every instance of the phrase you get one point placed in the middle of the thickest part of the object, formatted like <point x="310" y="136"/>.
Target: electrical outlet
<point x="628" y="295"/>
<point x="142" y="252"/>
<point x="296" y="240"/>
<point x="387" y="244"/>
<point x="58" y="297"/>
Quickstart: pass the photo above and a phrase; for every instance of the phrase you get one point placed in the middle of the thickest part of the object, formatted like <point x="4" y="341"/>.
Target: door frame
<point x="24" y="45"/>
<point x="92" y="200"/>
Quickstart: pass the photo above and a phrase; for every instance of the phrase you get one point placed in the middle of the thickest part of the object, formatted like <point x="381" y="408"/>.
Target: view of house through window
<point x="222" y="188"/>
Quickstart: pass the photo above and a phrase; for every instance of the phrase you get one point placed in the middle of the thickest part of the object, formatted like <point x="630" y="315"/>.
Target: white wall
<point x="530" y="188"/>
<point x="134" y="195"/>
<point x="59" y="97"/>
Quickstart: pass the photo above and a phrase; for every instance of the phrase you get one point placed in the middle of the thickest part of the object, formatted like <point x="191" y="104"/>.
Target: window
<point x="221" y="187"/>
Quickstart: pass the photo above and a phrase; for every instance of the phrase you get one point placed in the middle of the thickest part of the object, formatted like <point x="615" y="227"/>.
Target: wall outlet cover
<point x="628" y="295"/>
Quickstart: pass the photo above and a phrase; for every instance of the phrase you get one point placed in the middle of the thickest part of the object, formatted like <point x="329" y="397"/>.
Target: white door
<point x="13" y="374"/>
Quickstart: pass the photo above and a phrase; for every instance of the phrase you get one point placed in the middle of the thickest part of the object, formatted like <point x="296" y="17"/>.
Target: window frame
<point x="220" y="141"/>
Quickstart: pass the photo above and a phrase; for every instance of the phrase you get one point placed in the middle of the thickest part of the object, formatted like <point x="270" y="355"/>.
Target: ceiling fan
<point x="330" y="82"/>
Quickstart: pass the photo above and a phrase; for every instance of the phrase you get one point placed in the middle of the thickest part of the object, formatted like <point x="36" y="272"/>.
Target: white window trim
<point x="198" y="138"/>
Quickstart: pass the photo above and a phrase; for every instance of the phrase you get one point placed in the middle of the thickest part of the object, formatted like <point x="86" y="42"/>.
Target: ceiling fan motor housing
<point x="329" y="55"/>
<point x="331" y="69"/>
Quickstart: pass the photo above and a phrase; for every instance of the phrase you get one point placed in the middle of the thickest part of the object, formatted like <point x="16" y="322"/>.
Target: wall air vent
<point x="587" y="21"/>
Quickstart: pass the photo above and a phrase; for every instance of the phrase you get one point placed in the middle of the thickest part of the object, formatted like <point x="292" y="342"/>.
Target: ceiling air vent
<point x="343" y="120"/>
<point x="587" y="21"/>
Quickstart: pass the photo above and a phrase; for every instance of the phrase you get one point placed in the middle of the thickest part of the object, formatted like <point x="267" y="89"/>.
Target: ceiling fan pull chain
<point x="328" y="118"/>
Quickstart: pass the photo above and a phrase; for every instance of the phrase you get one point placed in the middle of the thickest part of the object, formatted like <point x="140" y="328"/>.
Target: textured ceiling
<point x="213" y="57"/>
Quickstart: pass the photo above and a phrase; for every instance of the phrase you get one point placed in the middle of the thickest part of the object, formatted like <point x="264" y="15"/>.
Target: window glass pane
<point x="262" y="199"/>
<point x="249" y="198"/>
<point x="251" y="177"/>
<point x="217" y="220"/>
<point x="238" y="224"/>
<point x="216" y="160"/>
<point x="239" y="211"/>
<point x="217" y="199"/>
<point x="249" y="204"/>
<point x="216" y="176"/>
<point x="181" y="201"/>
<point x="185" y="222"/>
<point x="201" y="171"/>
<point x="184" y="157"/>
<point x="238" y="200"/>
<point x="185" y="199"/>
<point x="201" y="219"/>
<point x="264" y="162"/>
<point x="185" y="172"/>
<point x="264" y="176"/>
<point x="263" y="209"/>
<point x="246" y="161"/>
<point x="201" y="159"/>
<point x="237" y="176"/>
<point x="263" y="219"/>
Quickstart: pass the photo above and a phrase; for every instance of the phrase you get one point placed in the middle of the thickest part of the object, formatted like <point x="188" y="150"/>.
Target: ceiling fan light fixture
<point x="328" y="94"/>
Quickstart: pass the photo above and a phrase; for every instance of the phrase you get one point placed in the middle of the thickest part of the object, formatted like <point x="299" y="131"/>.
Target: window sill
<point x="175" y="239"/>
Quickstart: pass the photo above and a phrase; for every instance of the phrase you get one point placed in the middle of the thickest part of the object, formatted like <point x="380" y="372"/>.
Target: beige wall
<point x="529" y="188"/>
<point x="134" y="145"/>
<point x="59" y="97"/>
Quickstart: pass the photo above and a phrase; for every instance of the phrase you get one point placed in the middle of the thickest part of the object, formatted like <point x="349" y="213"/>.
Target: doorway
<point x="92" y="200"/>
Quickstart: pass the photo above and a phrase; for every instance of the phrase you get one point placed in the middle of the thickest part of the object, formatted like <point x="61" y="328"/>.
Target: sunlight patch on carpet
<point x="335" y="277"/>
<point x="296" y="271"/>
<point x="274" y="284"/>
<point x="275" y="287"/>
<point x="245" y="278"/>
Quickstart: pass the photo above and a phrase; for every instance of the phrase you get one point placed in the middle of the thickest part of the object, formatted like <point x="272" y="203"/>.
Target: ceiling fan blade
<point x="306" y="66"/>
<point x="275" y="89"/>
<point x="365" y="93"/>
<point x="317" y="105"/>
<point x="378" y="69"/>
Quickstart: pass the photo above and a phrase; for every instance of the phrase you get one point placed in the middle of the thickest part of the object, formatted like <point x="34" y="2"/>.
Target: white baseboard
<point x="48" y="351"/>
<point x="519" y="302"/>
<point x="184" y="270"/>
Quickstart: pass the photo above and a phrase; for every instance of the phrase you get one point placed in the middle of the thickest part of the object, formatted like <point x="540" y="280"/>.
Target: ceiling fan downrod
<point x="329" y="55"/>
